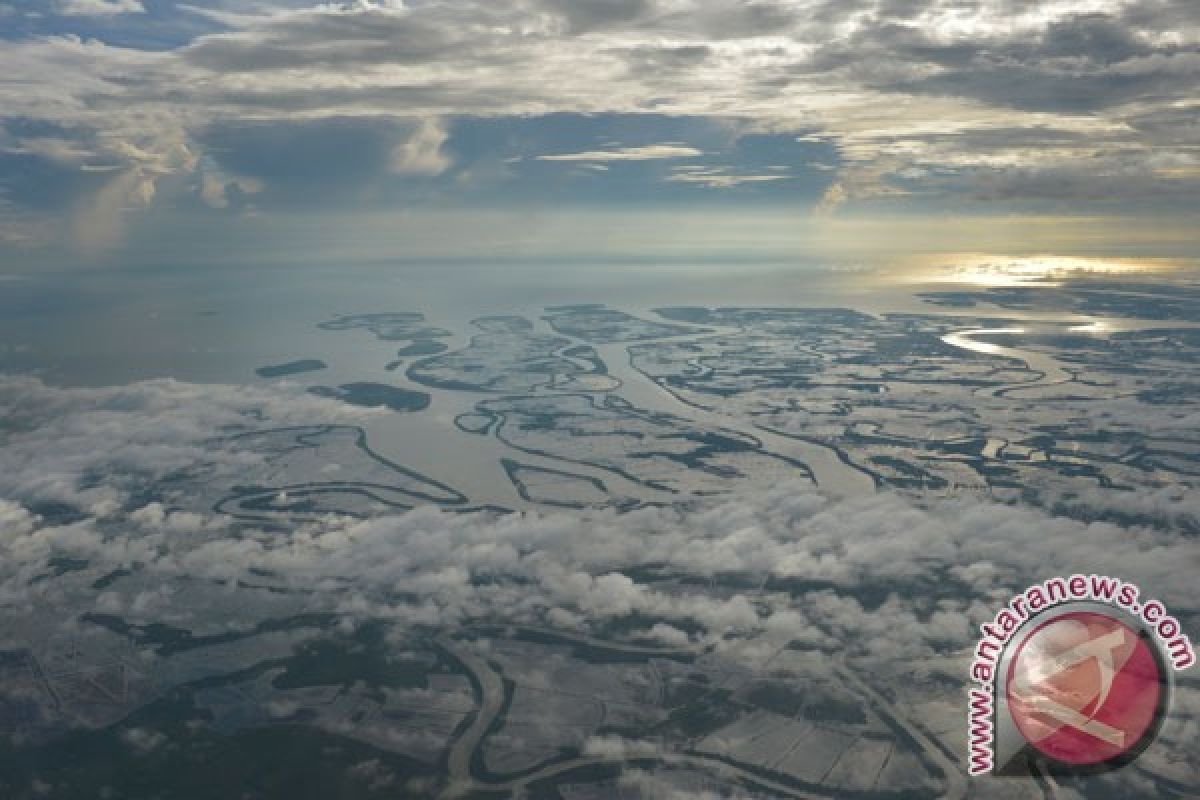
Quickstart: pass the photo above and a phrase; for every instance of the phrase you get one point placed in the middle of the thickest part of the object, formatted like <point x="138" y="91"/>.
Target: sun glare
<point x="999" y="270"/>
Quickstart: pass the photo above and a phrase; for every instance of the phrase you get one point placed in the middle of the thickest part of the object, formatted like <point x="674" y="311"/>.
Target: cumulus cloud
<point x="422" y="153"/>
<point x="908" y="555"/>
<point x="938" y="571"/>
<point x="220" y="190"/>
<point x="882" y="582"/>
<point x="132" y="434"/>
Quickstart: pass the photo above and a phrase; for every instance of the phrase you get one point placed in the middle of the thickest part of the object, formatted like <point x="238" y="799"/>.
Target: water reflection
<point x="995" y="270"/>
<point x="963" y="339"/>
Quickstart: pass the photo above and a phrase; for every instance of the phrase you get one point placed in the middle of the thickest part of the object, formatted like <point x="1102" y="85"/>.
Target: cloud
<point x="139" y="434"/>
<point x="886" y="583"/>
<point x="643" y="153"/>
<point x="96" y="429"/>
<point x="143" y="740"/>
<point x="99" y="7"/>
<point x="719" y="177"/>
<point x="915" y="96"/>
<point x="833" y="199"/>
<point x="219" y="191"/>
<point x="422" y="153"/>
<point x="586" y="15"/>
<point x="54" y="149"/>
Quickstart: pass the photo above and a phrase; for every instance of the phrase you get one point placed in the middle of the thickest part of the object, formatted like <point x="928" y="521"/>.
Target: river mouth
<point x="1051" y="369"/>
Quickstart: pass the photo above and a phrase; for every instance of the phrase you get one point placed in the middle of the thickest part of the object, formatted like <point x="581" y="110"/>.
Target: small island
<point x="422" y="347"/>
<point x="290" y="368"/>
<point x="373" y="395"/>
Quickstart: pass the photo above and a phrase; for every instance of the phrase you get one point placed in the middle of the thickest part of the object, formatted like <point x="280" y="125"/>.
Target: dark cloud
<point x="665" y="58"/>
<point x="741" y="19"/>
<point x="586" y="15"/>
<point x="331" y="156"/>
<point x="1032" y="89"/>
<point x="1097" y="38"/>
<point x="339" y="39"/>
<point x="1077" y="63"/>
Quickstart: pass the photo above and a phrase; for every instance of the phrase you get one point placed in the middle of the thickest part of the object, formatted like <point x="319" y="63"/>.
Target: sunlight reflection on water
<point x="963" y="339"/>
<point x="992" y="270"/>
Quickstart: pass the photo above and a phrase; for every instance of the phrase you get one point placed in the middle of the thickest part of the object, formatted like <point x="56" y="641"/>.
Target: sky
<point x="137" y="130"/>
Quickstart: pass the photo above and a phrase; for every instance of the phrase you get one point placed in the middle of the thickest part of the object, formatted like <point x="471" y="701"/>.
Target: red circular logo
<point x="1085" y="688"/>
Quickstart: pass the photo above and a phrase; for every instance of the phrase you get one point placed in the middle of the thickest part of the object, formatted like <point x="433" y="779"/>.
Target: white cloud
<point x="422" y="153"/>
<point x="880" y="542"/>
<point x="99" y="7"/>
<point x="720" y="177"/>
<point x="643" y="153"/>
<point x="132" y="433"/>
<point x="216" y="187"/>
<point x="883" y="581"/>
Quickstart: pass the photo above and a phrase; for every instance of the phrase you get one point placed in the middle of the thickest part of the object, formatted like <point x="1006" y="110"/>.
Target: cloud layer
<point x="889" y="585"/>
<point x="1088" y="102"/>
